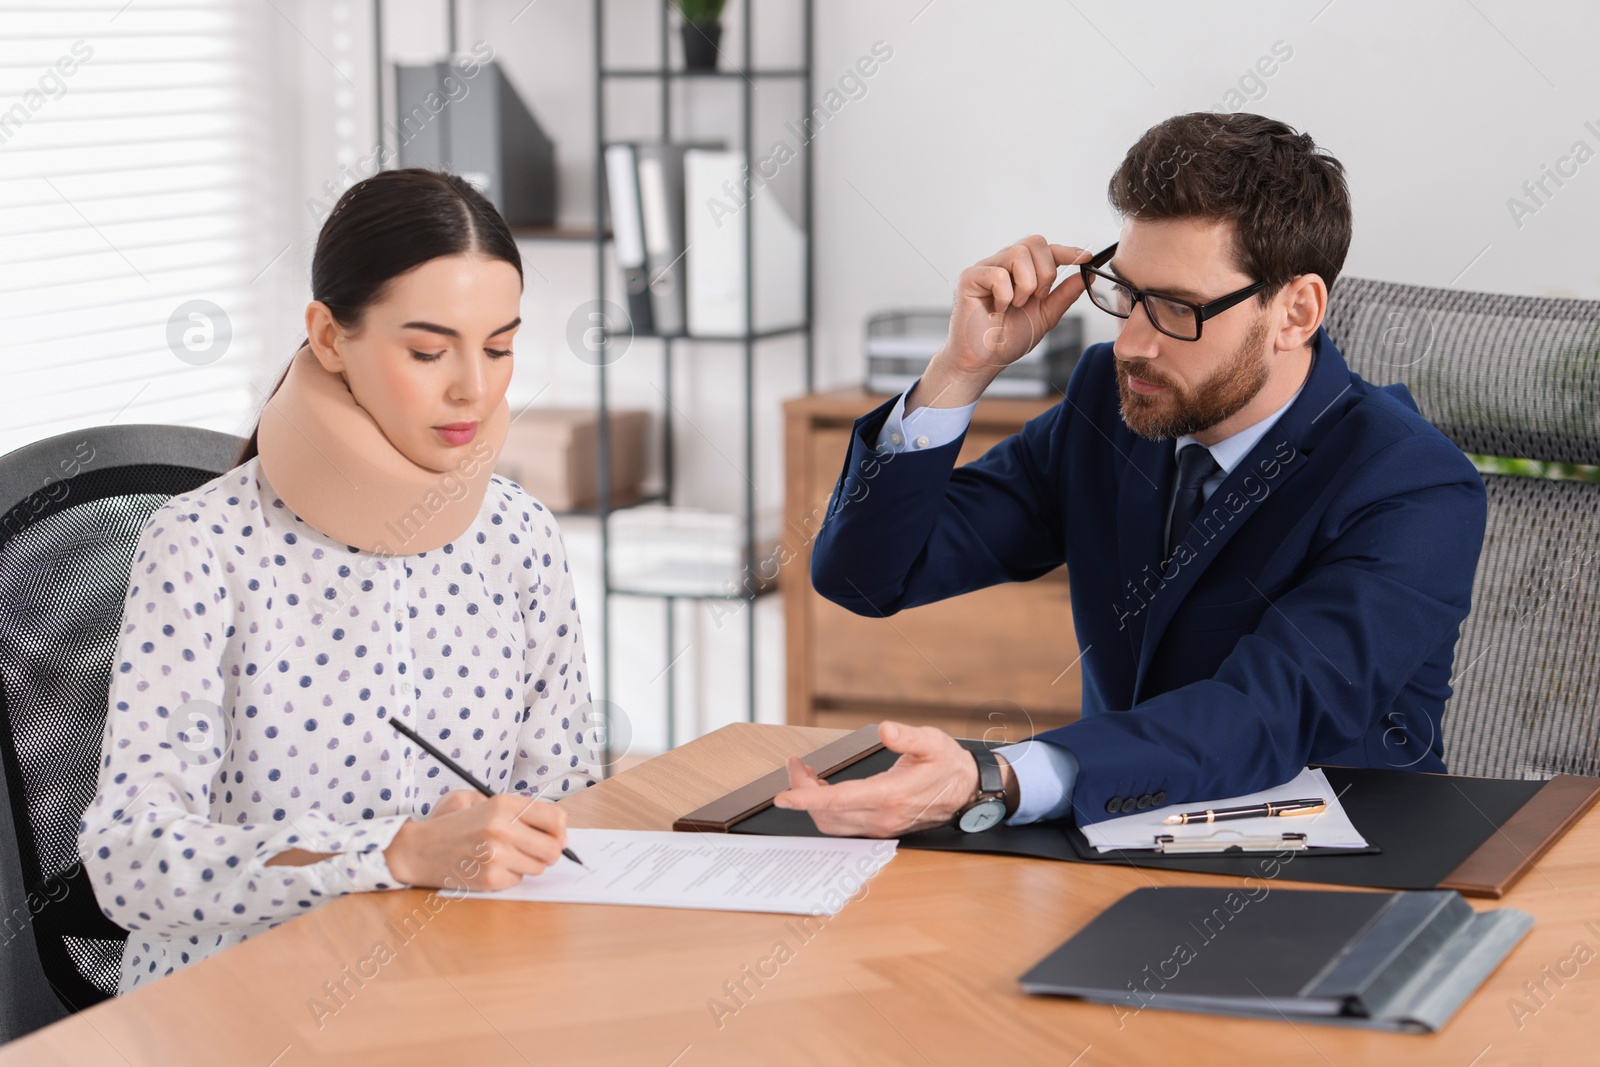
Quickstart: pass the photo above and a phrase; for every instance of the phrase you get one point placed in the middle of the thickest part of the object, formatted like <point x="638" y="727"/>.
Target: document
<point x="1328" y="829"/>
<point x="719" y="872"/>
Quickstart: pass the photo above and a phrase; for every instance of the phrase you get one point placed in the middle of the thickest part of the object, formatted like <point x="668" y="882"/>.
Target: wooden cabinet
<point x="999" y="663"/>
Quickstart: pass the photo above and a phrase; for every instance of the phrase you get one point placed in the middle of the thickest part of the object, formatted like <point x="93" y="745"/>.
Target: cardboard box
<point x="554" y="454"/>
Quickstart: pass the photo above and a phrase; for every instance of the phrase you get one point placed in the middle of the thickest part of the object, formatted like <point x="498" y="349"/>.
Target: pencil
<point x="462" y="773"/>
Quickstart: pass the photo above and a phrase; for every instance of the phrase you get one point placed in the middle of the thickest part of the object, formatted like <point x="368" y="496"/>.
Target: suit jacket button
<point x="1159" y="799"/>
<point x="1114" y="805"/>
<point x="1144" y="801"/>
<point x="1129" y="803"/>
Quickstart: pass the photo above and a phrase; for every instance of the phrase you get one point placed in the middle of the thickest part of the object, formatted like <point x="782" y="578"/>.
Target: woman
<point x="362" y="564"/>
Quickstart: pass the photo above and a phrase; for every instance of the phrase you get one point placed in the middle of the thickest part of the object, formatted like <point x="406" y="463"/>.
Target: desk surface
<point x="919" y="969"/>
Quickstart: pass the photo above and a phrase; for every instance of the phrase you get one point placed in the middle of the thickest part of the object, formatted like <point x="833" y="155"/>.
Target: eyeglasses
<point x="1175" y="318"/>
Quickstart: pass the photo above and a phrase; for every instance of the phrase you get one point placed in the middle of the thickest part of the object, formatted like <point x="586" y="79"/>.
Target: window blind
<point x="128" y="159"/>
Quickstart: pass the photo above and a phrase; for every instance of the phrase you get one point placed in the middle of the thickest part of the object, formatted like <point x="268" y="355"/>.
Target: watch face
<point x="982" y="815"/>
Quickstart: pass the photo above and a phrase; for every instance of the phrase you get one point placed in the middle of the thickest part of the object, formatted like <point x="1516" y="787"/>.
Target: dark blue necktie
<point x="1195" y="465"/>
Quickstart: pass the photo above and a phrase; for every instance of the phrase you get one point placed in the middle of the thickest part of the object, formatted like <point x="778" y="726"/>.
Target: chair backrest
<point x="1515" y="377"/>
<point x="71" y="508"/>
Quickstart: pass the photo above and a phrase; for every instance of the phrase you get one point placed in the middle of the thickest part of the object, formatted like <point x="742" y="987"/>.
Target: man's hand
<point x="933" y="779"/>
<point x="1004" y="306"/>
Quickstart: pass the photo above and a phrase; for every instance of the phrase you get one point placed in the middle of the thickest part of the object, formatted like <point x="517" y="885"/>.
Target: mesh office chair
<point x="1517" y="377"/>
<point x="71" y="508"/>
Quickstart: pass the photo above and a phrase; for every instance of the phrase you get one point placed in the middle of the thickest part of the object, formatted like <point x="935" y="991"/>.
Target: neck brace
<point x="333" y="465"/>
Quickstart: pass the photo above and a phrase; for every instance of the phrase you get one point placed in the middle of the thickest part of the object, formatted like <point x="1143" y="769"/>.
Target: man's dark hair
<point x="1286" y="198"/>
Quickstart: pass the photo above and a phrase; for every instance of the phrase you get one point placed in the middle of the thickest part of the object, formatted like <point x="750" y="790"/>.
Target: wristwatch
<point x="990" y="807"/>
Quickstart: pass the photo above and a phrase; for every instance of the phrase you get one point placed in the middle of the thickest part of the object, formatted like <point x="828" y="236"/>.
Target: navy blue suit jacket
<point x="1310" y="615"/>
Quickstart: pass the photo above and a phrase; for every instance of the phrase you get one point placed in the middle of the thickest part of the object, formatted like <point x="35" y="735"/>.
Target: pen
<point x="463" y="773"/>
<point x="1307" y="806"/>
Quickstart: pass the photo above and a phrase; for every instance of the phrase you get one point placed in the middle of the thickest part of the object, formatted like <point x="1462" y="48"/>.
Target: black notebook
<point x="1392" y="961"/>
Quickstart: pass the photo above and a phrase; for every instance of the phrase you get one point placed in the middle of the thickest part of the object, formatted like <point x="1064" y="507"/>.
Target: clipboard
<point x="1497" y="828"/>
<point x="727" y="811"/>
<point x="1224" y="841"/>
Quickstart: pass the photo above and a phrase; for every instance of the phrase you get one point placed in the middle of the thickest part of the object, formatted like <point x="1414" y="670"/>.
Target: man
<point x="1269" y="557"/>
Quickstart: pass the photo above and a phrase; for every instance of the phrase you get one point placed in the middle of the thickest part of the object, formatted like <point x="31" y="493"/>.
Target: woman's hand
<point x="469" y="841"/>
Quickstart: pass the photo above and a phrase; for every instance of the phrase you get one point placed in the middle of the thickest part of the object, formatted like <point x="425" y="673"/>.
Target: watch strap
<point x="990" y="780"/>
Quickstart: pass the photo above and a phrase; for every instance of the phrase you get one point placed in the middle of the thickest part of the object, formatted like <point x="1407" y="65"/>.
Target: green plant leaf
<point x="701" y="12"/>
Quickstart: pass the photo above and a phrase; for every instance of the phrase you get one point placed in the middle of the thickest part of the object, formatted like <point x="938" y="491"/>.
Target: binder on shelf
<point x="489" y="136"/>
<point x="718" y="189"/>
<point x="627" y="234"/>
<point x="660" y="168"/>
<point x="1383" y="961"/>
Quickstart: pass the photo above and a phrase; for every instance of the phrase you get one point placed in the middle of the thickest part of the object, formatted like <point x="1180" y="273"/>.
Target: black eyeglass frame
<point x="1202" y="312"/>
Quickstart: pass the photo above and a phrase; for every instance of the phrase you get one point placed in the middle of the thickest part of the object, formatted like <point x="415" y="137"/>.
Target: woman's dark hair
<point x="384" y="226"/>
<point x="1286" y="198"/>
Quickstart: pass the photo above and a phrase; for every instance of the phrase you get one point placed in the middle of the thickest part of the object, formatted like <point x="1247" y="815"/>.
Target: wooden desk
<point x="920" y="969"/>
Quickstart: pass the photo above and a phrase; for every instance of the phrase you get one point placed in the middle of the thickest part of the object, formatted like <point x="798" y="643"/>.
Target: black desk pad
<point x="1420" y="826"/>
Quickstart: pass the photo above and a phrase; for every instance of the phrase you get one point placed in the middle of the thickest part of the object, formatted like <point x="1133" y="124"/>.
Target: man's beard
<point x="1174" y="413"/>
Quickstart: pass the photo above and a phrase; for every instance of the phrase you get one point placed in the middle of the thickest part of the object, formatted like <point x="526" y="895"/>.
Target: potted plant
<point x="702" y="31"/>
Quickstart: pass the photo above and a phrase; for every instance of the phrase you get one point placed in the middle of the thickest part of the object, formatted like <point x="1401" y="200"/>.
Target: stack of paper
<point x="900" y="343"/>
<point x="660" y="548"/>
<point x="1328" y="829"/>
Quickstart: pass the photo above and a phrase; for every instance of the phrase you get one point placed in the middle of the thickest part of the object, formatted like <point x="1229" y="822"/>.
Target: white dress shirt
<point x="256" y="671"/>
<point x="1046" y="772"/>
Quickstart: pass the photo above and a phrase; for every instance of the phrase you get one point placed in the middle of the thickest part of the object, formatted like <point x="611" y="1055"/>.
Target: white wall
<point x="995" y="120"/>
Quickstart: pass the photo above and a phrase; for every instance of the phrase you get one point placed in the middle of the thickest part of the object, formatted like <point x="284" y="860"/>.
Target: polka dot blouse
<point x="258" y="664"/>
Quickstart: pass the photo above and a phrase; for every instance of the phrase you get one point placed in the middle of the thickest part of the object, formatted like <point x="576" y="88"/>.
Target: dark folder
<point x="1389" y="961"/>
<point x="1426" y="831"/>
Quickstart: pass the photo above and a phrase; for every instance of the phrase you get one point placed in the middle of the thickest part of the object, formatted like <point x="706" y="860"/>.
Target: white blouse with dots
<point x="258" y="664"/>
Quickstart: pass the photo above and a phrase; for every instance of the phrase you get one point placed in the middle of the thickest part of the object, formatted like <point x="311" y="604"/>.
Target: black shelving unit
<point x="598" y="236"/>
<point x="665" y="76"/>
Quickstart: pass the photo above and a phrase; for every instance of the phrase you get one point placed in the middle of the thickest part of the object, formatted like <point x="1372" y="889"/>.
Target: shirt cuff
<point x="928" y="427"/>
<point x="1045" y="774"/>
<point x="362" y="866"/>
